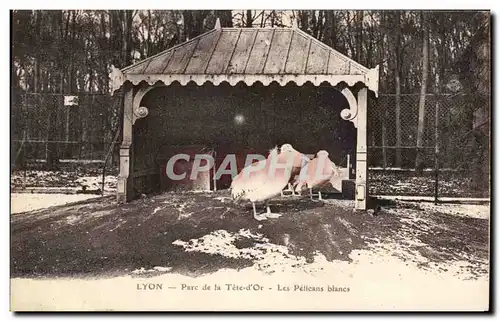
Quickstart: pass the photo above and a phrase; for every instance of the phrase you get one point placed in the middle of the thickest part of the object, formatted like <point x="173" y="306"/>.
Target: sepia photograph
<point x="250" y="160"/>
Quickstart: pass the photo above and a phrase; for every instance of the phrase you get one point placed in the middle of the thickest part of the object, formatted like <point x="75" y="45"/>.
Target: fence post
<point x="66" y="130"/>
<point x="399" y="143"/>
<point x="361" y="152"/>
<point x="436" y="153"/>
<point x="385" y="116"/>
<point x="125" y="177"/>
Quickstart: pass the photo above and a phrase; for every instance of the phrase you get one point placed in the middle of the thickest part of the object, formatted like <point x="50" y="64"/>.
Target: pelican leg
<point x="255" y="215"/>
<point x="254" y="209"/>
<point x="297" y="187"/>
<point x="320" y="198"/>
<point x="311" y="193"/>
<point x="290" y="187"/>
<point x="269" y="214"/>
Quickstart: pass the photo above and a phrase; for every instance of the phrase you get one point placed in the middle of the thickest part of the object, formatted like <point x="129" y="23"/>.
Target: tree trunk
<point x="124" y="39"/>
<point x="480" y="74"/>
<point x="273" y="18"/>
<point x="193" y="22"/>
<point x="321" y="25"/>
<point x="436" y="144"/>
<point x="52" y="151"/>
<point x="303" y="20"/>
<point x="440" y="64"/>
<point x="71" y="83"/>
<point x="359" y="36"/>
<point x="421" y="106"/>
<point x="314" y="24"/>
<point x="127" y="37"/>
<point x="397" y="78"/>
<point x="385" y="115"/>
<point x="249" y="19"/>
<point x="103" y="81"/>
<point x="330" y="34"/>
<point x="36" y="83"/>
<point x="225" y="17"/>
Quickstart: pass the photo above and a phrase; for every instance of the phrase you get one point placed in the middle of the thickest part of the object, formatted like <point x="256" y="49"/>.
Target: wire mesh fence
<point x="83" y="128"/>
<point x="447" y="142"/>
<point x="54" y="127"/>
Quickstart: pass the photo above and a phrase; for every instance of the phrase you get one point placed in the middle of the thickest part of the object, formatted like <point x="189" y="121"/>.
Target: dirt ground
<point x="200" y="233"/>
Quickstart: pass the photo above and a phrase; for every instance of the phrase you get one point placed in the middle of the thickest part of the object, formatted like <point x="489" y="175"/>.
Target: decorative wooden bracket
<point x="140" y="111"/>
<point x="351" y="113"/>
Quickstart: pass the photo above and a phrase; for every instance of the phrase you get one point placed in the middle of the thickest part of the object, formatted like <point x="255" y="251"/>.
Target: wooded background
<point x="434" y="65"/>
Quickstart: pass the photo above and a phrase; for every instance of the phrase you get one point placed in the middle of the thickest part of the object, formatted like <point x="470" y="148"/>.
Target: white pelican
<point x="263" y="180"/>
<point x="316" y="173"/>
<point x="299" y="161"/>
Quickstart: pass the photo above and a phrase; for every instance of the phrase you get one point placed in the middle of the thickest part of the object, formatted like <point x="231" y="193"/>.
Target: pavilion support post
<point x="125" y="189"/>
<point x="361" y="152"/>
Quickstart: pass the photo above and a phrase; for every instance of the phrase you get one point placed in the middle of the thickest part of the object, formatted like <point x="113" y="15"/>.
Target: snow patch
<point x="25" y="202"/>
<point x="72" y="219"/>
<point x="95" y="182"/>
<point x="55" y="179"/>
<point x="153" y="270"/>
<point x="469" y="210"/>
<point x="222" y="199"/>
<point x="267" y="257"/>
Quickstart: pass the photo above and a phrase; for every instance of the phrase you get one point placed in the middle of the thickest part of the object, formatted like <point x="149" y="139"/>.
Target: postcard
<point x="250" y="160"/>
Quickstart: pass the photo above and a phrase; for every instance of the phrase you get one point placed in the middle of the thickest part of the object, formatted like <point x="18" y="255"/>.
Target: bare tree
<point x="248" y="19"/>
<point x="359" y="35"/>
<point x="225" y="16"/>
<point x="385" y="117"/>
<point x="423" y="91"/>
<point x="330" y="29"/>
<point x="397" y="78"/>
<point x="194" y="22"/>
<point x="36" y="85"/>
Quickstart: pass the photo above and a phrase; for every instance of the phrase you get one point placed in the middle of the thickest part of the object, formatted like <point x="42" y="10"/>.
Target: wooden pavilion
<point x="207" y="75"/>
